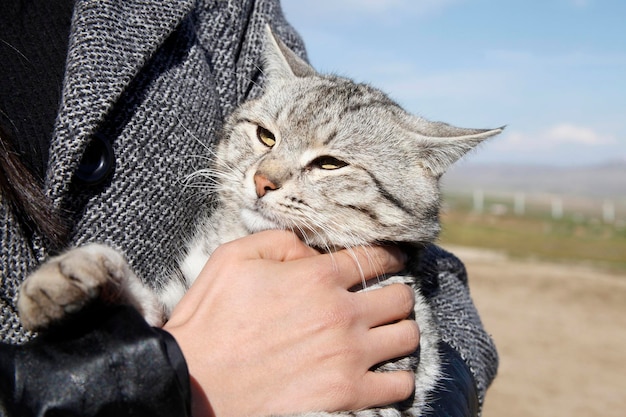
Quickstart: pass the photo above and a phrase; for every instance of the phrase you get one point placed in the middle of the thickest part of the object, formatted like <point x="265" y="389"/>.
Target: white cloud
<point x="562" y="134"/>
<point x="569" y="133"/>
<point x="561" y="144"/>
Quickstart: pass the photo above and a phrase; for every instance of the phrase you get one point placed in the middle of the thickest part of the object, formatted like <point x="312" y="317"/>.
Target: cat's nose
<point x="263" y="185"/>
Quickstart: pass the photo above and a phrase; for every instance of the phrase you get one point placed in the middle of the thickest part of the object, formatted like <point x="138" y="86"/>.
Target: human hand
<point x="269" y="327"/>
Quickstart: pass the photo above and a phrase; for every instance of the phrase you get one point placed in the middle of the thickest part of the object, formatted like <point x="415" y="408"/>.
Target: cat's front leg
<point x="67" y="283"/>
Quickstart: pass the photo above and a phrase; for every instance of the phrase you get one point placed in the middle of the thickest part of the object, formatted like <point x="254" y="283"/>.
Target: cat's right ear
<point x="280" y="61"/>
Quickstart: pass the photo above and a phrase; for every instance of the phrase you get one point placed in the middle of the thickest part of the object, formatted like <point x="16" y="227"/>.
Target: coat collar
<point x="110" y="42"/>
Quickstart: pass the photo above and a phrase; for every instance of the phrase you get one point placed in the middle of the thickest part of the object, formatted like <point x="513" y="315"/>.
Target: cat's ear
<point x="282" y="62"/>
<point x="440" y="144"/>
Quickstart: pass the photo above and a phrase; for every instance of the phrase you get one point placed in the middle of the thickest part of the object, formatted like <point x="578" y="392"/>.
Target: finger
<point x="357" y="265"/>
<point x="283" y="246"/>
<point x="384" y="388"/>
<point x="277" y="245"/>
<point x="393" y="341"/>
<point x="386" y="305"/>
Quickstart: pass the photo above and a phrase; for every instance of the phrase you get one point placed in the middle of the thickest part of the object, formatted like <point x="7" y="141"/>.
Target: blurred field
<point x="560" y="332"/>
<point x="578" y="233"/>
<point x="552" y="292"/>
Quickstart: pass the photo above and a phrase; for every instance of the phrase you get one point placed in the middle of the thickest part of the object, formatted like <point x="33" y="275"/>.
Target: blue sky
<point x="553" y="71"/>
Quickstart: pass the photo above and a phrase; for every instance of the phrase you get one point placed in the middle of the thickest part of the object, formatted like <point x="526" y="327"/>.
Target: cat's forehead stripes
<point x="331" y="137"/>
<point x="306" y="106"/>
<point x="324" y="107"/>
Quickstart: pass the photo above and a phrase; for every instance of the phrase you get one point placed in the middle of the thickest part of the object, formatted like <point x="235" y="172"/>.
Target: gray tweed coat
<point x="148" y="84"/>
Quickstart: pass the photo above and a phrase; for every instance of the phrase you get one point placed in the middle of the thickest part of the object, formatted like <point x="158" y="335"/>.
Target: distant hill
<point x="598" y="181"/>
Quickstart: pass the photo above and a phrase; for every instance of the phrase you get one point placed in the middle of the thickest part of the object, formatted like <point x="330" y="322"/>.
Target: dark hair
<point x="25" y="196"/>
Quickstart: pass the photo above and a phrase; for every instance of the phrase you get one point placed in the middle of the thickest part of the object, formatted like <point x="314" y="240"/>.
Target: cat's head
<point x="335" y="161"/>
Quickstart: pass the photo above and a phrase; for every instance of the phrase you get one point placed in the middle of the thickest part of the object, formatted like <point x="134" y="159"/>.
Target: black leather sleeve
<point x="114" y="365"/>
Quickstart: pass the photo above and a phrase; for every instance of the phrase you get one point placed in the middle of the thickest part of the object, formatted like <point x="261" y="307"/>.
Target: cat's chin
<point x="255" y="222"/>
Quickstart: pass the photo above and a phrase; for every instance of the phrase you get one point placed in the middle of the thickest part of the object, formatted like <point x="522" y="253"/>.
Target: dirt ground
<point x="560" y="332"/>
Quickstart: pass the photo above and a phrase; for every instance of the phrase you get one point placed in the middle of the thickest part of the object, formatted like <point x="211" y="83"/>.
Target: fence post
<point x="520" y="204"/>
<point x="608" y="211"/>
<point x="557" y="208"/>
<point x="479" y="200"/>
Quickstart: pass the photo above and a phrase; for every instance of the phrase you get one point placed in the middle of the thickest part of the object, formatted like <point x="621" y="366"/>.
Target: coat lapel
<point x="110" y="41"/>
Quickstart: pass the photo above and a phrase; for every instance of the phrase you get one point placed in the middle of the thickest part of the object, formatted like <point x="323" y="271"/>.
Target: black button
<point x="97" y="161"/>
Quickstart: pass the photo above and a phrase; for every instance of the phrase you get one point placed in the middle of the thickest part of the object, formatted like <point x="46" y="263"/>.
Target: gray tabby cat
<point x="337" y="162"/>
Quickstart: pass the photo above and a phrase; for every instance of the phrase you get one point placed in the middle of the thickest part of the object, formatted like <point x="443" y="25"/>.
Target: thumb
<point x="276" y="245"/>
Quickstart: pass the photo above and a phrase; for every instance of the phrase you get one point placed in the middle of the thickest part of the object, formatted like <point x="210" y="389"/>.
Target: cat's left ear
<point x="440" y="144"/>
<point x="282" y="62"/>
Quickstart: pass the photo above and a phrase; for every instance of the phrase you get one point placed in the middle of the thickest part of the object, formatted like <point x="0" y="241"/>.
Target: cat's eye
<point x="266" y="137"/>
<point x="328" y="163"/>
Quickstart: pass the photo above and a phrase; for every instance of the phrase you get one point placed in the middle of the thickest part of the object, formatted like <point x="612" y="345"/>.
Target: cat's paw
<point x="65" y="284"/>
